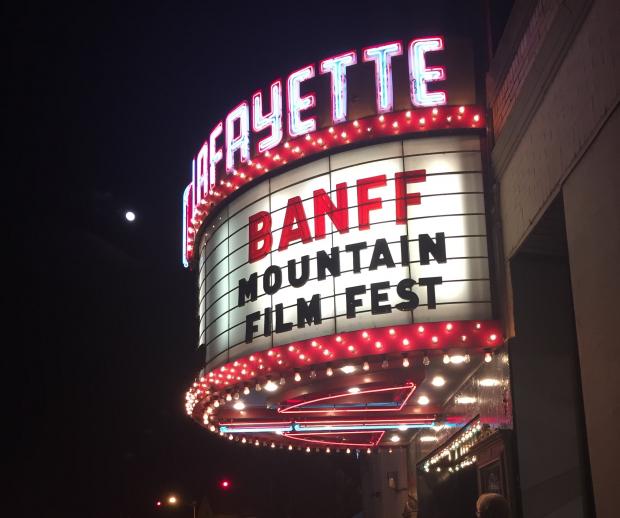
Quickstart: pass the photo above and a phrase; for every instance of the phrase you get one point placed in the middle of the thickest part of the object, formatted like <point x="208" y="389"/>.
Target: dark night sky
<point x="107" y="104"/>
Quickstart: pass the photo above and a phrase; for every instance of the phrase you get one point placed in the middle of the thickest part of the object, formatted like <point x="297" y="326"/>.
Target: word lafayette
<point x="297" y="228"/>
<point x="228" y="144"/>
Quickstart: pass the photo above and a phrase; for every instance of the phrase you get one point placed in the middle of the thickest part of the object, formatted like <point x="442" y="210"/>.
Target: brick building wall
<point x="555" y="112"/>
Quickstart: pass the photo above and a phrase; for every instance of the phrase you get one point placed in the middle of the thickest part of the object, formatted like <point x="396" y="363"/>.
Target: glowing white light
<point x="403" y="427"/>
<point x="423" y="400"/>
<point x="488" y="358"/>
<point x="186" y="218"/>
<point x="348" y="369"/>
<point x="354" y="390"/>
<point x="239" y="142"/>
<point x="420" y="75"/>
<point x="270" y="386"/>
<point x="395" y="438"/>
<point x="337" y="66"/>
<point x="272" y="120"/>
<point x="201" y="178"/>
<point x="382" y="56"/>
<point x="465" y="400"/>
<point x="297" y="104"/>
<point x="438" y="381"/>
<point x="215" y="154"/>
<point x="428" y="438"/>
<point x="458" y="358"/>
<point x="489" y="382"/>
<point x="130" y="216"/>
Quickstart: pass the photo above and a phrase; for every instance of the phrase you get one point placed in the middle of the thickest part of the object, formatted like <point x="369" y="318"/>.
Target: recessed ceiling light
<point x="423" y="400"/>
<point x="270" y="386"/>
<point x="348" y="369"/>
<point x="395" y="438"/>
<point x="438" y="381"/>
<point x="465" y="400"/>
<point x="239" y="405"/>
<point x="354" y="390"/>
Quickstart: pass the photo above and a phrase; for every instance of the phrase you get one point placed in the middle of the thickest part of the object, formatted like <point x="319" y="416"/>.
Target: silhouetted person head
<point x="492" y="505"/>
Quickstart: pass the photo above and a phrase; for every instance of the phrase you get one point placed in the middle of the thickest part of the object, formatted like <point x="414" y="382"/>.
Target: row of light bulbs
<point x="458" y="447"/>
<point x="272" y="386"/>
<point x="290" y="447"/>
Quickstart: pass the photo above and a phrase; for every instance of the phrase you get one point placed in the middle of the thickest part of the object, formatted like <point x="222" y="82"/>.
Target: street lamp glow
<point x="130" y="216"/>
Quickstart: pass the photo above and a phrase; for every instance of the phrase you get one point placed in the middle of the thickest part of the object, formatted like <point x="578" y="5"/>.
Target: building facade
<point x="398" y="263"/>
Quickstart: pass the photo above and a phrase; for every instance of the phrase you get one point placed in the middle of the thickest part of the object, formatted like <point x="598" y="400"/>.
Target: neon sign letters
<point x="250" y="124"/>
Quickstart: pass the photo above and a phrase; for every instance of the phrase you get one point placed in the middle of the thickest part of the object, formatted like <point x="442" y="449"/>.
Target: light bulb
<point x="426" y="360"/>
<point x="385" y="363"/>
<point x="258" y="387"/>
<point x="312" y="374"/>
<point x="329" y="371"/>
<point x="405" y="361"/>
<point x="228" y="397"/>
<point x="282" y="380"/>
<point x="246" y="390"/>
<point x="270" y="386"/>
<point x="438" y="381"/>
<point x="297" y="376"/>
<point x="488" y="358"/>
<point x="446" y="358"/>
<point x="423" y="400"/>
<point x="365" y="366"/>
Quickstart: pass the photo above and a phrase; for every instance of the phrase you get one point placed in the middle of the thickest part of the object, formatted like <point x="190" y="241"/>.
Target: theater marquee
<point x="352" y="235"/>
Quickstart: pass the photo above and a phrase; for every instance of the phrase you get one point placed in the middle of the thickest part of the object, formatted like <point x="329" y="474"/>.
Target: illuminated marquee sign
<point x="389" y="234"/>
<point x="253" y="138"/>
<point x="337" y="224"/>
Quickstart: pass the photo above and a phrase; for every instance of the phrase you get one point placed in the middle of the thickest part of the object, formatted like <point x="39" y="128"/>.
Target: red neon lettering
<point x="404" y="198"/>
<point x="365" y="204"/>
<point x="294" y="214"/>
<point x="339" y="214"/>
<point x="259" y="228"/>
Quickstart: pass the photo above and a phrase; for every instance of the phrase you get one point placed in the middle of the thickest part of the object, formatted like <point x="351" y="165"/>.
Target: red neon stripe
<point x="290" y="409"/>
<point x="298" y="437"/>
